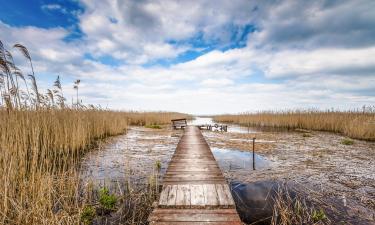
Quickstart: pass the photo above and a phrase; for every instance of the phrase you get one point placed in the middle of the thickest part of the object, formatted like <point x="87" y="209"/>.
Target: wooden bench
<point x="179" y="123"/>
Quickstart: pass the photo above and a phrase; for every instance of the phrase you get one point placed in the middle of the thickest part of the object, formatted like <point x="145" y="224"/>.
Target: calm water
<point x="231" y="159"/>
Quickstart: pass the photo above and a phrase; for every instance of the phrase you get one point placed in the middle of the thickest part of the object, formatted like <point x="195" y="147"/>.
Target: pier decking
<point x="194" y="189"/>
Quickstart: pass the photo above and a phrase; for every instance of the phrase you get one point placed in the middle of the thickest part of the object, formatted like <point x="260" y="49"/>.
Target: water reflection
<point x="254" y="201"/>
<point x="230" y="159"/>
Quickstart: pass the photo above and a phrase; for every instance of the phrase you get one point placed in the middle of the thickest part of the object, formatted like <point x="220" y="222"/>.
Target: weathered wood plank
<point x="229" y="195"/>
<point x="197" y="196"/>
<point x="172" y="195"/>
<point x="183" y="195"/>
<point x="225" y="197"/>
<point x="211" y="198"/>
<point x="163" y="200"/>
<point x="190" y="215"/>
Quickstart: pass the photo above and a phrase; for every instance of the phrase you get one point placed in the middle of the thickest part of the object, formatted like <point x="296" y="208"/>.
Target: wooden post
<point x="254" y="153"/>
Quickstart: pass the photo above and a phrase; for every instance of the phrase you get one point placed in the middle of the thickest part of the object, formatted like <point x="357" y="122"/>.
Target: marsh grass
<point x="292" y="208"/>
<point x="153" y="126"/>
<point x="347" y="141"/>
<point x="133" y="205"/>
<point x="358" y="124"/>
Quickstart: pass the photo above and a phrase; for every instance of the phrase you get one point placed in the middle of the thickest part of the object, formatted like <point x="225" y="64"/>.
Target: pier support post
<point x="254" y="153"/>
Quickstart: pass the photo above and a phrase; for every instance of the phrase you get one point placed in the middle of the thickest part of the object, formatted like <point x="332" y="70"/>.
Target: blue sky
<point x="200" y="56"/>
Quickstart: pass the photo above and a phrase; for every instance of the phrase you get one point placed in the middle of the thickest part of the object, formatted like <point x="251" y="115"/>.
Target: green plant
<point x="106" y="200"/>
<point x="318" y="215"/>
<point x="87" y="215"/>
<point x="347" y="141"/>
<point x="158" y="165"/>
<point x="153" y="126"/>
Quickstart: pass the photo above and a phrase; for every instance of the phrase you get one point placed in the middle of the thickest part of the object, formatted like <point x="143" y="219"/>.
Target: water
<point x="231" y="159"/>
<point x="233" y="128"/>
<point x="254" y="201"/>
<point x="201" y="121"/>
<point x="129" y="158"/>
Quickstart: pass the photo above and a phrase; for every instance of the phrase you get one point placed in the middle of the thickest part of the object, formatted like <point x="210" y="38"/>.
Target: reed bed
<point x="39" y="153"/>
<point x="359" y="124"/>
<point x="42" y="140"/>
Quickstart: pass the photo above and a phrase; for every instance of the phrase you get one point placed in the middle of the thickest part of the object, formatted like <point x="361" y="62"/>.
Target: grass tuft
<point x="347" y="141"/>
<point x="106" y="200"/>
<point x="153" y="126"/>
<point x="88" y="214"/>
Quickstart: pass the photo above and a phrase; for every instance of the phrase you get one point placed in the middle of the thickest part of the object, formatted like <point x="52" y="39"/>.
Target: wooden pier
<point x="194" y="188"/>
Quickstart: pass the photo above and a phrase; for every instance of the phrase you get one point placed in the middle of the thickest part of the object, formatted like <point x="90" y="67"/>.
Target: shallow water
<point x="130" y="158"/>
<point x="231" y="159"/>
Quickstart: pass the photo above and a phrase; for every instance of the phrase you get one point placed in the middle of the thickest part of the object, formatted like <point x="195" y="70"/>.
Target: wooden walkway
<point x="194" y="189"/>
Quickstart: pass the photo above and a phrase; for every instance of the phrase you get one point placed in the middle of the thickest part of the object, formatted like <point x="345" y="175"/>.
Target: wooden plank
<point x="197" y="196"/>
<point x="229" y="195"/>
<point x="225" y="198"/>
<point x="163" y="200"/>
<point x="196" y="223"/>
<point x="183" y="195"/>
<point x="211" y="198"/>
<point x="197" y="182"/>
<point x="172" y="196"/>
<point x="197" y="217"/>
<point x="189" y="215"/>
<point x="195" y="211"/>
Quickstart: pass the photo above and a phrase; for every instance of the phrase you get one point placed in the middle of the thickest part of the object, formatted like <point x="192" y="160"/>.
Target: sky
<point x="201" y="57"/>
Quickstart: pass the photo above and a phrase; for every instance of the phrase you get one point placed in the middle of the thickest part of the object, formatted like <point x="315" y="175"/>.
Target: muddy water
<point x="131" y="158"/>
<point x="341" y="178"/>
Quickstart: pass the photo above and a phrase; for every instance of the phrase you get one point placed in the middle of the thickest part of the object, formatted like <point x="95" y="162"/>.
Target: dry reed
<point x="42" y="140"/>
<point x="359" y="124"/>
<point x="290" y="207"/>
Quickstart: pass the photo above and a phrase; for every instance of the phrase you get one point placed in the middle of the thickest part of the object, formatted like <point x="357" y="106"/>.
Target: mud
<point x="337" y="177"/>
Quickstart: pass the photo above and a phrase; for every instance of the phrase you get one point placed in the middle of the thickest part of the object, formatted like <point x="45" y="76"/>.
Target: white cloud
<point x="310" y="54"/>
<point x="51" y="7"/>
<point x="216" y="83"/>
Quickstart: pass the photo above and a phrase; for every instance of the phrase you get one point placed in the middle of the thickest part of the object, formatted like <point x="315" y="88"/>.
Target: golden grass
<point x="354" y="124"/>
<point x="42" y="140"/>
<point x="38" y="158"/>
<point x="39" y="155"/>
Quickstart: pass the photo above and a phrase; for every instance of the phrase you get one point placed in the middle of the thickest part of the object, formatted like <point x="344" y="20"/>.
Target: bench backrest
<point x="179" y="123"/>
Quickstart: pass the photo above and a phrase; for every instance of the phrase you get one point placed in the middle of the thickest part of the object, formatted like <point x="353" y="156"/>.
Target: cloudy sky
<point x="200" y="56"/>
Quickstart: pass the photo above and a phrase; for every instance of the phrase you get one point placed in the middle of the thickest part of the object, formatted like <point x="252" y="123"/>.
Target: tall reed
<point x="358" y="124"/>
<point x="42" y="140"/>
